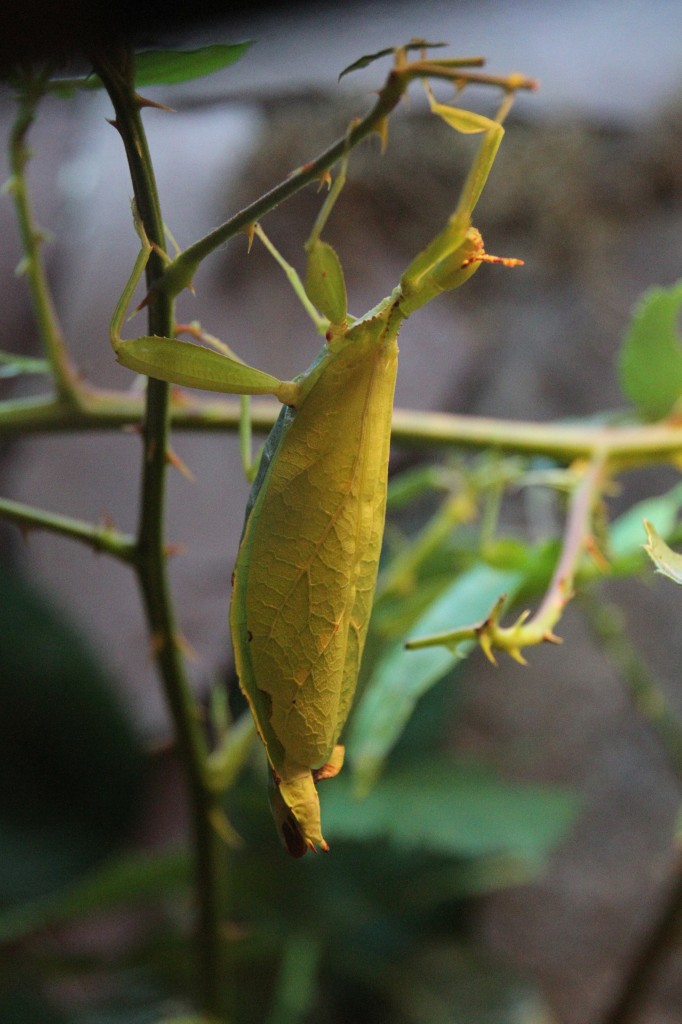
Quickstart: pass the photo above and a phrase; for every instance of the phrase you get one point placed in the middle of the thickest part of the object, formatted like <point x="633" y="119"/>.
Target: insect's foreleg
<point x="456" y="252"/>
<point x="485" y="158"/>
<point x="120" y="312"/>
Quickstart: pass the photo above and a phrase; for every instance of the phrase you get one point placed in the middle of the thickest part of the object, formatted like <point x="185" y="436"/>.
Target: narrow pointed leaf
<point x="370" y="58"/>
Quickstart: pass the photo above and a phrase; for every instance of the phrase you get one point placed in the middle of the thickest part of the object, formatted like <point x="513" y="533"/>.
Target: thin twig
<point x="117" y="73"/>
<point x="105" y="539"/>
<point x="64" y="375"/>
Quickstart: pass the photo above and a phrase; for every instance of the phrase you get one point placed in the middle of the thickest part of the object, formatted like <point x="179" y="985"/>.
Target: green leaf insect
<point x="307" y="564"/>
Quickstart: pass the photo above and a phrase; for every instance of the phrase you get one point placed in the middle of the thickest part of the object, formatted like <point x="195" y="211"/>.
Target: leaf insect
<point x="307" y="564"/>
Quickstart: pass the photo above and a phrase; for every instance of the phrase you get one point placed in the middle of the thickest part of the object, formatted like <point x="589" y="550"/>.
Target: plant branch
<point x="608" y="624"/>
<point x="64" y="374"/>
<point x="180" y="272"/>
<point x="100" y="538"/>
<point x="623" y="447"/>
<point x="528" y="631"/>
<point x="117" y="72"/>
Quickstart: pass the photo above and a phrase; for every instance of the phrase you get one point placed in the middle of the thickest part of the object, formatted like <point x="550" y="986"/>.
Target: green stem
<point x="182" y="269"/>
<point x="63" y="373"/>
<point x="623" y="447"/>
<point x="104" y="539"/>
<point x="116" y="71"/>
<point x="526" y="632"/>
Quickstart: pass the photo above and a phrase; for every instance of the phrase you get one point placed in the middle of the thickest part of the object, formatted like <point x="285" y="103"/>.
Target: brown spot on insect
<point x="293" y="840"/>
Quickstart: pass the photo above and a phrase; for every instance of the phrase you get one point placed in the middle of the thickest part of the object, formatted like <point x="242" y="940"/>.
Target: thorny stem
<point x="623" y="447"/>
<point x="576" y="534"/>
<point x="527" y="631"/>
<point x="63" y="373"/>
<point x="116" y="71"/>
<point x="182" y="269"/>
<point x="103" y="538"/>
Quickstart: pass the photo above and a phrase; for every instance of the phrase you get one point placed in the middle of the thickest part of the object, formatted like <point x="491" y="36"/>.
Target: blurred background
<point x="587" y="190"/>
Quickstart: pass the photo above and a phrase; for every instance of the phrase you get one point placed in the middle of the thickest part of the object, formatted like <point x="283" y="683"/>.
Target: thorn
<point x="250" y="233"/>
<point x="161" y="745"/>
<point x="25" y="530"/>
<point x="183" y="645"/>
<point x="180" y="397"/>
<point x="325" y="179"/>
<point x="521" y="619"/>
<point x="157" y="642"/>
<point x="114" y="124"/>
<point x="172" y="550"/>
<point x="193" y="329"/>
<point x="223" y="828"/>
<point x="142" y="102"/>
<point x="551" y="638"/>
<point x="174" y="460"/>
<point x="596" y="554"/>
<point x="486" y="645"/>
<point x="515" y="653"/>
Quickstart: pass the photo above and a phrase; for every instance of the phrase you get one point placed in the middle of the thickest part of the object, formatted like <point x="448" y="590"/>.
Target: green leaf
<point x="12" y="365"/>
<point x="370" y="58"/>
<point x="455" y="809"/>
<point x="164" y="67"/>
<point x="401" y="677"/>
<point x="324" y="283"/>
<point x="625" y="533"/>
<point x="667" y="561"/>
<point x="169" y="67"/>
<point x="650" y="364"/>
